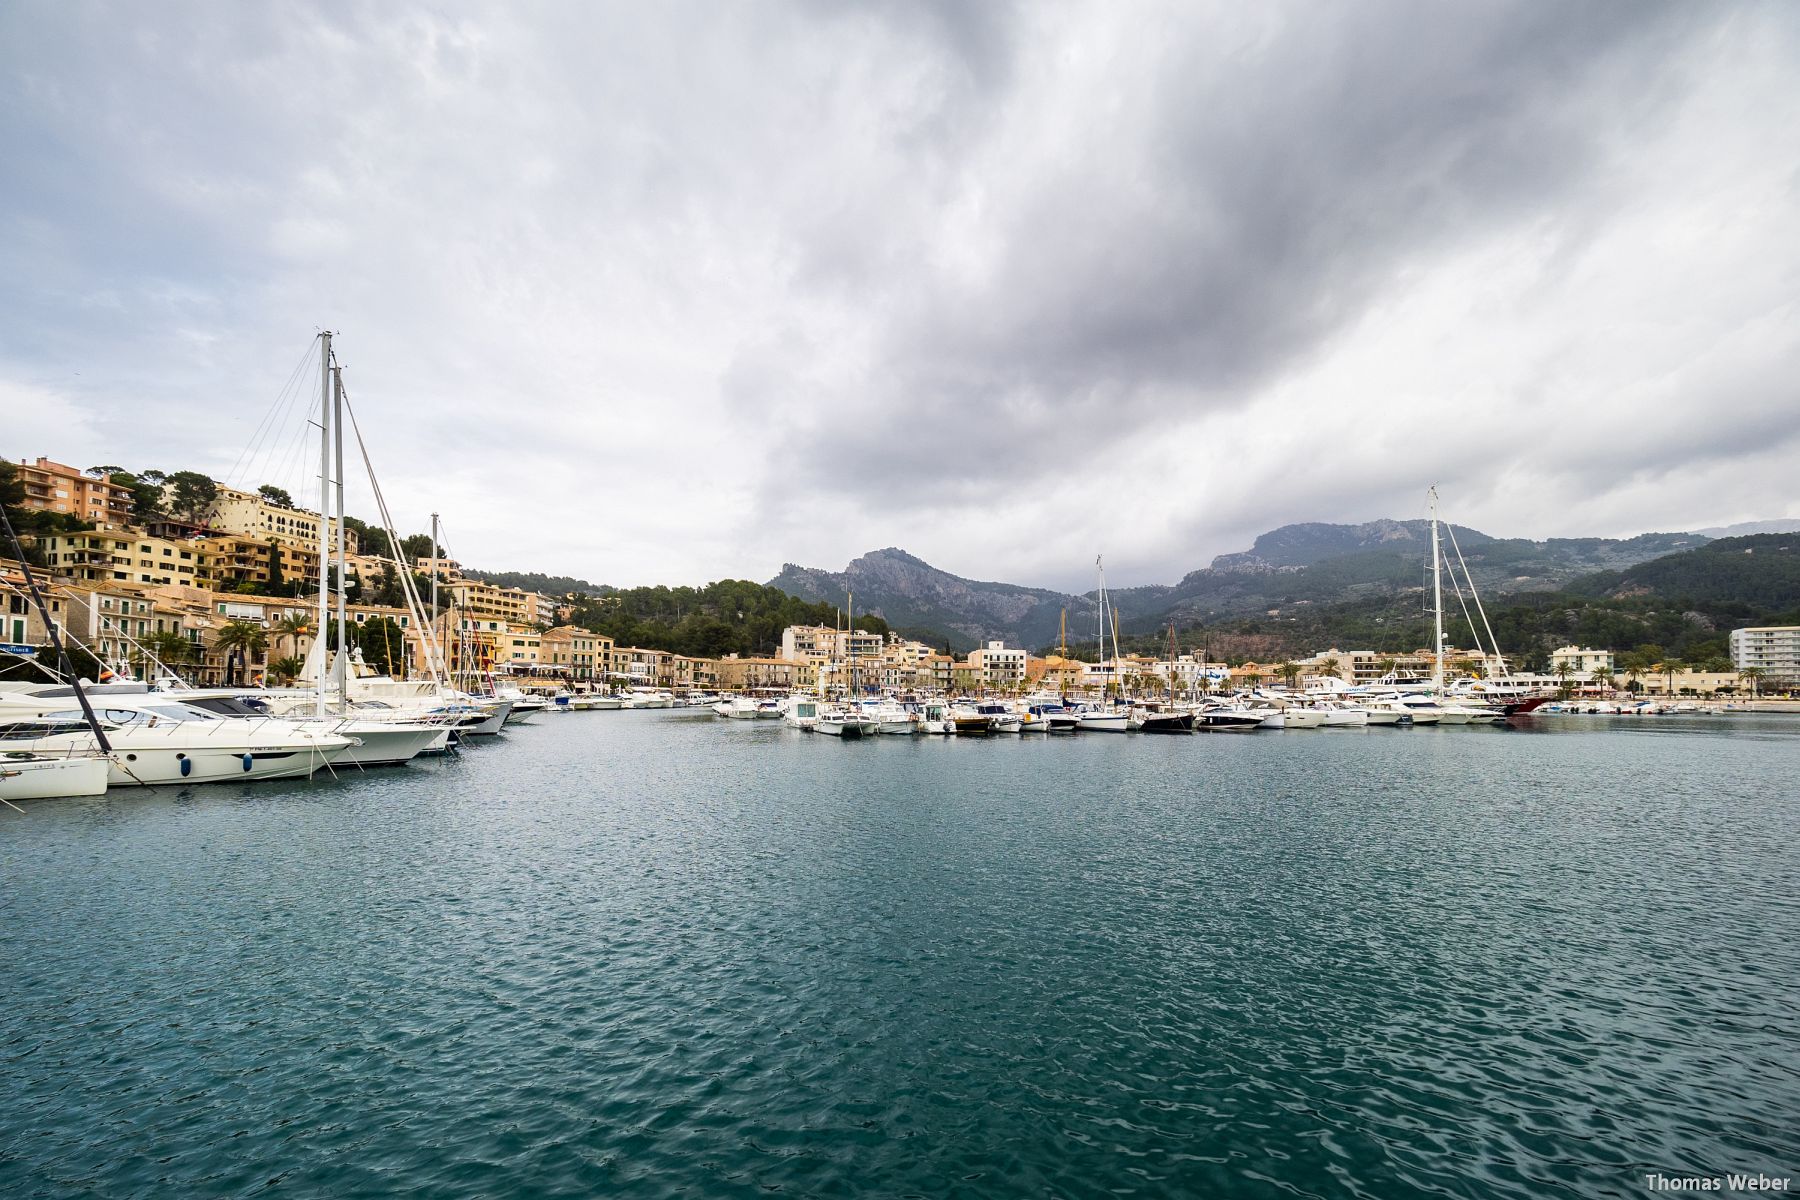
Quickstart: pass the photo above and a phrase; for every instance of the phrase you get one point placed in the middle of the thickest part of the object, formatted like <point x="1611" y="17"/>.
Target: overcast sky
<point x="671" y="292"/>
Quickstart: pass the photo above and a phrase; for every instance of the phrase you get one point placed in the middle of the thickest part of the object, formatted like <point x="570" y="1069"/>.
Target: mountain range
<point x="1311" y="564"/>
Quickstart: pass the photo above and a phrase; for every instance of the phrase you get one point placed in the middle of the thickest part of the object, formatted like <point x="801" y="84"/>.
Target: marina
<point x="663" y="953"/>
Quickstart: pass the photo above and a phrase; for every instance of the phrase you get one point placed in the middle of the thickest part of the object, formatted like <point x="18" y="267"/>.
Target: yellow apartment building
<point x="251" y="515"/>
<point x="123" y="556"/>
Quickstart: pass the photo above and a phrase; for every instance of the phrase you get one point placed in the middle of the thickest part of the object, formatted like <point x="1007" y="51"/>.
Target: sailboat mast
<point x="448" y="678"/>
<point x="53" y="629"/>
<point x="324" y="515"/>
<point x="1437" y="596"/>
<point x="342" y="670"/>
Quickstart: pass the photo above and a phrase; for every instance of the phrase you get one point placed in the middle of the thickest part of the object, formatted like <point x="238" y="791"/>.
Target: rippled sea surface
<point x="657" y="954"/>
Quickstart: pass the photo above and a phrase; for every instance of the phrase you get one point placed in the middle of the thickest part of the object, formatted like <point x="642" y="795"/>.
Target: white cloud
<point x="677" y="293"/>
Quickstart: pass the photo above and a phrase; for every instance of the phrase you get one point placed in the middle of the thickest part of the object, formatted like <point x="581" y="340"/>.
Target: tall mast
<point x="54" y="630"/>
<point x="434" y="603"/>
<point x="1437" y="597"/>
<point x="324" y="514"/>
<point x="342" y="670"/>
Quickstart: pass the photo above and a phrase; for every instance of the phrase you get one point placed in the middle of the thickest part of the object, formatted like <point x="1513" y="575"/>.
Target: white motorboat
<point x="1304" y="718"/>
<point x="1345" y="716"/>
<point x="1102" y="720"/>
<point x="845" y="723"/>
<point x="1001" y="719"/>
<point x="157" y="739"/>
<point x="381" y="740"/>
<point x="934" y="717"/>
<point x="802" y="712"/>
<point x="25" y="776"/>
<point x="895" y="719"/>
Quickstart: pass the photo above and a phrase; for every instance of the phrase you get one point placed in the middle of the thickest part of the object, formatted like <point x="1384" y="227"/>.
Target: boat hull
<point x="52" y="778"/>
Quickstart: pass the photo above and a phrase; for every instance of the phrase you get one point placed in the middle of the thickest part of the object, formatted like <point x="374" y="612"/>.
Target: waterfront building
<point x="693" y="673"/>
<point x="822" y="643"/>
<point x="741" y="673"/>
<point x="1582" y="661"/>
<point x="55" y="487"/>
<point x="574" y="652"/>
<point x="995" y="665"/>
<point x="1773" y="650"/>
<point x="519" y="649"/>
<point x="635" y="666"/>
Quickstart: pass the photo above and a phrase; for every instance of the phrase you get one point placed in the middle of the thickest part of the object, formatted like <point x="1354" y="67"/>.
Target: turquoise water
<point x="654" y="954"/>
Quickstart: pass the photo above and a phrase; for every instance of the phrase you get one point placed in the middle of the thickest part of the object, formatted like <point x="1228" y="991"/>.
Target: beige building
<point x="56" y="487"/>
<point x="123" y="556"/>
<point x="575" y="652"/>
<point x="738" y="674"/>
<point x="515" y="606"/>
<point x="822" y="643"/>
<point x="251" y="515"/>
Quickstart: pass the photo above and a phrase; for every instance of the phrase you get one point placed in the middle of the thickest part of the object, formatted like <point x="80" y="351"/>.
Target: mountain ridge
<point x="1303" y="564"/>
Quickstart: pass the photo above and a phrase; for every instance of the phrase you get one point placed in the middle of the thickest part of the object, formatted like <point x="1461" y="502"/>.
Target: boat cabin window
<point x="48" y="725"/>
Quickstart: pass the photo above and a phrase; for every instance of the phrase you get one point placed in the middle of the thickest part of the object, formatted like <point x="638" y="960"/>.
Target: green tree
<point x="168" y="647"/>
<point x="288" y="630"/>
<point x="286" y="670"/>
<point x="415" y="547"/>
<point x="276" y="495"/>
<point x="383" y="645"/>
<point x="241" y="642"/>
<point x="146" y="496"/>
<point x="191" y="495"/>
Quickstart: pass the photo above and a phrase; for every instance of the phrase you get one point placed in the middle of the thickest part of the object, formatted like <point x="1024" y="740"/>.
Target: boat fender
<point x="247" y="761"/>
<point x="187" y="764"/>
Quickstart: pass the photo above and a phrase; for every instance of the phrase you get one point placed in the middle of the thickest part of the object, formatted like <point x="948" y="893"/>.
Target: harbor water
<point x="658" y="954"/>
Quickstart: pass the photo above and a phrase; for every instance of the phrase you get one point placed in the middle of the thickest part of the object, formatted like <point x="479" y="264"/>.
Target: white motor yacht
<point x="1102" y="720"/>
<point x="801" y="712"/>
<point x="845" y="723"/>
<point x="157" y="739"/>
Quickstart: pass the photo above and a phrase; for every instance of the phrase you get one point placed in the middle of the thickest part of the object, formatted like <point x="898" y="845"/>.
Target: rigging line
<point x="1492" y="640"/>
<point x="409" y="587"/>
<point x="281" y="465"/>
<point x="282" y="430"/>
<point x="277" y="406"/>
<point x="1473" y="632"/>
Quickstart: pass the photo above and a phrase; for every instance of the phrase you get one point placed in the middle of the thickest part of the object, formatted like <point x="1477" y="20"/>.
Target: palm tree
<point x="1289" y="671"/>
<point x="1330" y="667"/>
<point x="168" y="647"/>
<point x="288" y="629"/>
<point x="287" y="669"/>
<point x="1753" y="677"/>
<point x="1603" y="677"/>
<point x="1668" y="667"/>
<point x="240" y="637"/>
<point x="1564" y="669"/>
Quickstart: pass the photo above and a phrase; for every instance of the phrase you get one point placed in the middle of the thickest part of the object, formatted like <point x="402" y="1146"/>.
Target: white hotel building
<point x="1772" y="649"/>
